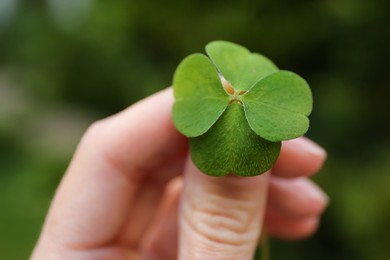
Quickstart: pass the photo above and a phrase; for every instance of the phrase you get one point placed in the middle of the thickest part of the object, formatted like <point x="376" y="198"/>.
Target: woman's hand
<point x="131" y="192"/>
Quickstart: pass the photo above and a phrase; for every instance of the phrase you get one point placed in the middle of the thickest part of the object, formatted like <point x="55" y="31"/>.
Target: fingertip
<point x="291" y="229"/>
<point x="296" y="198"/>
<point x="299" y="157"/>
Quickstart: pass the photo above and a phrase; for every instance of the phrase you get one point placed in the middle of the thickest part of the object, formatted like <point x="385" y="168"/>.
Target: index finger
<point x="141" y="137"/>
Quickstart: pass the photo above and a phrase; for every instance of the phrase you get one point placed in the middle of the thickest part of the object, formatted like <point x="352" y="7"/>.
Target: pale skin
<point x="131" y="192"/>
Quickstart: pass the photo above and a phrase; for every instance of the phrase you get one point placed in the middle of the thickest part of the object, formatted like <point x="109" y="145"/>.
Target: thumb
<point x="220" y="217"/>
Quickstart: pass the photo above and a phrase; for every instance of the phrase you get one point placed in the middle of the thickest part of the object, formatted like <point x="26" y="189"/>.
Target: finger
<point x="290" y="228"/>
<point x="220" y="216"/>
<point x="299" y="157"/>
<point x="295" y="198"/>
<point x="139" y="138"/>
<point x="114" y="158"/>
<point x="145" y="207"/>
<point x="161" y="240"/>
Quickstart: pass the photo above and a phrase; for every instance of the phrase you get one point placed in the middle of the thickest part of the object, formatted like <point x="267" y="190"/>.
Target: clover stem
<point x="263" y="249"/>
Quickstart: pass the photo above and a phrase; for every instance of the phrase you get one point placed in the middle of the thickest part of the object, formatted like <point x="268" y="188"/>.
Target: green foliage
<point x="199" y="103"/>
<point x="239" y="67"/>
<point x="232" y="146"/>
<point x="260" y="107"/>
<point x="277" y="106"/>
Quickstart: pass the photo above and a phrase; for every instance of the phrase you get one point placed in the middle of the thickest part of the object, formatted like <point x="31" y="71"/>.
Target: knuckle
<point x="95" y="132"/>
<point x="95" y="129"/>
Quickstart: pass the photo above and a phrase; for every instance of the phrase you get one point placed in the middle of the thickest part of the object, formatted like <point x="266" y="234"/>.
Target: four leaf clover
<point x="236" y="107"/>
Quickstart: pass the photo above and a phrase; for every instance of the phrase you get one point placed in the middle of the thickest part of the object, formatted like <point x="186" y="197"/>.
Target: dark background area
<point x="64" y="64"/>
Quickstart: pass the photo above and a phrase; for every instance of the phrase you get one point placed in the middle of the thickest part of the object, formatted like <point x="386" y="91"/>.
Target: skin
<point x="131" y="192"/>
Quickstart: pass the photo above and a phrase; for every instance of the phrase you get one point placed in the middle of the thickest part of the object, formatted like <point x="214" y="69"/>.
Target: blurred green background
<point x="64" y="64"/>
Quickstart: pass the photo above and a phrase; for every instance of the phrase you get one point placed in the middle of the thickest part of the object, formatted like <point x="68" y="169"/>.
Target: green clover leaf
<point x="239" y="67"/>
<point x="236" y="107"/>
